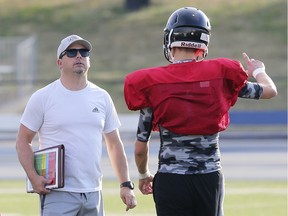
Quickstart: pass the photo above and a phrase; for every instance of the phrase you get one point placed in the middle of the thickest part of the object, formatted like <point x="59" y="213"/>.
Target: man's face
<point x="73" y="61"/>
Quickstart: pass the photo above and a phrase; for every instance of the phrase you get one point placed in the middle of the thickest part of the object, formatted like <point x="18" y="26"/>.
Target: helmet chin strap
<point x="203" y="55"/>
<point x="170" y="55"/>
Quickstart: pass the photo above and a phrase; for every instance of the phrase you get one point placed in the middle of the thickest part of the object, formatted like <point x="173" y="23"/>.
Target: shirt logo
<point x="204" y="84"/>
<point x="95" y="110"/>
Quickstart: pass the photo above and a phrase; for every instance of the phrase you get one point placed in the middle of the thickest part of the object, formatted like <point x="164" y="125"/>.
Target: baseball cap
<point x="66" y="42"/>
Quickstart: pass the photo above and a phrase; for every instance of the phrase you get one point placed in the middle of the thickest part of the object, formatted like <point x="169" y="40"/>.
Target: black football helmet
<point x="187" y="27"/>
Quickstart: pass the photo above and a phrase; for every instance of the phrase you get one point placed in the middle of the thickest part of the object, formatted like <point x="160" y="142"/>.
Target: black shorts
<point x="189" y="195"/>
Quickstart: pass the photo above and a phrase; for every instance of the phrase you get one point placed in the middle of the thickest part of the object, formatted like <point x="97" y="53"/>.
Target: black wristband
<point x="128" y="184"/>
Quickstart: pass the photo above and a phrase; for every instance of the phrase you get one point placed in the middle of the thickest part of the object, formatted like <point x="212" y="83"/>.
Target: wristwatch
<point x="128" y="184"/>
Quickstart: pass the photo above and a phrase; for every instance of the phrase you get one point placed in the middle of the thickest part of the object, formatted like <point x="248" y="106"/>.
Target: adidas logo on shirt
<point x="95" y="110"/>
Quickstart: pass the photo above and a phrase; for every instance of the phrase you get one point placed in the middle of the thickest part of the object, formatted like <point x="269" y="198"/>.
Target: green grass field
<point x="243" y="198"/>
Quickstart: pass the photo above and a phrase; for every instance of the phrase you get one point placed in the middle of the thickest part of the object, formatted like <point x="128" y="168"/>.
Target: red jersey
<point x="187" y="98"/>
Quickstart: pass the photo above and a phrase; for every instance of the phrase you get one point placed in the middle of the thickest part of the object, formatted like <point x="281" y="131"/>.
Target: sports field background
<point x="243" y="198"/>
<point x="255" y="170"/>
<point x="123" y="42"/>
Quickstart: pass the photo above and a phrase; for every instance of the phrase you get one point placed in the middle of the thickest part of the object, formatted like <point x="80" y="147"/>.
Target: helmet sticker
<point x="205" y="37"/>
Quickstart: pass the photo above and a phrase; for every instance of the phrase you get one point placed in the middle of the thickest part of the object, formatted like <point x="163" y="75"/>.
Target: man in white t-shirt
<point x="77" y="113"/>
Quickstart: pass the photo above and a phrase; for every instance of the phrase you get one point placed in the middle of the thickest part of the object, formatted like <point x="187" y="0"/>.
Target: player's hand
<point x="145" y="185"/>
<point x="252" y="64"/>
<point x="128" y="197"/>
<point x="39" y="183"/>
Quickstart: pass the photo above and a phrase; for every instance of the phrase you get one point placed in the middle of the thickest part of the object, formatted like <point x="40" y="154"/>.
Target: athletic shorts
<point x="189" y="195"/>
<point x="61" y="203"/>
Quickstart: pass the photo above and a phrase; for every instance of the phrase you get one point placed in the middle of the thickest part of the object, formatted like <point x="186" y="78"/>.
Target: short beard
<point x="79" y="71"/>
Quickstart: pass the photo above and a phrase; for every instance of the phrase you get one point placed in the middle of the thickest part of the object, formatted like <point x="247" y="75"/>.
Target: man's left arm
<point x="119" y="163"/>
<point x="256" y="69"/>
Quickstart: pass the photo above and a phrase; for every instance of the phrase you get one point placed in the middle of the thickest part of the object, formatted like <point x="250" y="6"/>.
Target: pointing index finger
<point x="245" y="56"/>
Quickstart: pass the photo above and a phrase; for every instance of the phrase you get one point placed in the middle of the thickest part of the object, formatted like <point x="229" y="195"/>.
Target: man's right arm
<point x="26" y="158"/>
<point x="141" y="151"/>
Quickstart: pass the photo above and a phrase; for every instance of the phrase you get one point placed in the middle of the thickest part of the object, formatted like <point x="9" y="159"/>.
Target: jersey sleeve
<point x="134" y="93"/>
<point x="251" y="90"/>
<point x="145" y="125"/>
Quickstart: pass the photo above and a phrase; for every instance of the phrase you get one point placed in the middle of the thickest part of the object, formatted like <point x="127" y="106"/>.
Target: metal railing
<point x="17" y="65"/>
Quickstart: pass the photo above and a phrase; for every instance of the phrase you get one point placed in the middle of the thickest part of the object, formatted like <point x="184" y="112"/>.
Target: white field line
<point x="227" y="191"/>
<point x="12" y="191"/>
<point x="256" y="191"/>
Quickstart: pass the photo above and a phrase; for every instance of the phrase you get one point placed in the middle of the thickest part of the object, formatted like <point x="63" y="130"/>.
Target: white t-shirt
<point x="78" y="120"/>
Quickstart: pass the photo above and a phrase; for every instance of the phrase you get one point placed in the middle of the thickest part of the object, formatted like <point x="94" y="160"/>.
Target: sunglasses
<point x="71" y="53"/>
